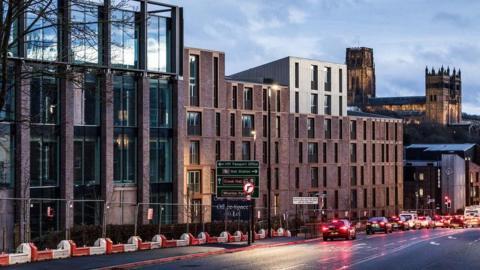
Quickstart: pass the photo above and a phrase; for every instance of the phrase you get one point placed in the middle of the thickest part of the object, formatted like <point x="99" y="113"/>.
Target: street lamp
<point x="251" y="236"/>
<point x="272" y="86"/>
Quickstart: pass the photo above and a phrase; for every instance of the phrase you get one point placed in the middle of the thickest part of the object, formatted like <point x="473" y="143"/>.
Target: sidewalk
<point x="127" y="260"/>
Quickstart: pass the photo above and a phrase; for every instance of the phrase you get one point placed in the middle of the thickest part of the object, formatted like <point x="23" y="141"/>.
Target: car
<point x="398" y="224"/>
<point x="425" y="222"/>
<point x="457" y="222"/>
<point x="378" y="224"/>
<point x="438" y="222"/>
<point x="339" y="228"/>
<point x="446" y="220"/>
<point x="410" y="218"/>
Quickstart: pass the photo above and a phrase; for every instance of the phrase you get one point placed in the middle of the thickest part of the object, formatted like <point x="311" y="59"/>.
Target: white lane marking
<point x="413" y="238"/>
<point x="434" y="243"/>
<point x="451" y="237"/>
<point x="361" y="244"/>
<point x="291" y="267"/>
<point x="402" y="241"/>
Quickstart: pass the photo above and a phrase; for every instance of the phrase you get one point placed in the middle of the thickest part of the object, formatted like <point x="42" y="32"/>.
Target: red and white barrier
<point x="192" y="241"/>
<point x="23" y="254"/>
<point x="239" y="234"/>
<point x="119" y="248"/>
<point x="173" y="243"/>
<point x="260" y="235"/>
<point x="281" y="233"/>
<point x="213" y="239"/>
<point x="62" y="251"/>
<point x="98" y="248"/>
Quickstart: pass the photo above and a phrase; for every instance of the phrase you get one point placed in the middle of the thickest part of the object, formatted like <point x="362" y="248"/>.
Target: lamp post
<point x="269" y="164"/>
<point x="251" y="236"/>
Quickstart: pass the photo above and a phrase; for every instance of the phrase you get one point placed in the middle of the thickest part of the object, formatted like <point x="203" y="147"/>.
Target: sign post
<point x="248" y="189"/>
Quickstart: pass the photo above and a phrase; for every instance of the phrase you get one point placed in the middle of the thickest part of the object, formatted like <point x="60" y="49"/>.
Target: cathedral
<point x="441" y="103"/>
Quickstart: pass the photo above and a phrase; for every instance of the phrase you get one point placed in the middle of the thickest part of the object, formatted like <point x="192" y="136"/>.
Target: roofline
<point x="204" y="50"/>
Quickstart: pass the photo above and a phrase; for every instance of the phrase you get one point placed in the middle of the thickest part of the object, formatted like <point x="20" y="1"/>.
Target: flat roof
<point x="396" y="100"/>
<point x="442" y="147"/>
<point x="371" y="115"/>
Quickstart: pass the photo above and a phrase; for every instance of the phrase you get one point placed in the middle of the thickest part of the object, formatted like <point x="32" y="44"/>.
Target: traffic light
<point x="50" y="212"/>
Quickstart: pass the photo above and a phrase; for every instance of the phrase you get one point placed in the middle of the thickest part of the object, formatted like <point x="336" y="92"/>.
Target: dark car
<point x="457" y="222"/>
<point x="378" y="224"/>
<point x="340" y="228"/>
<point x="398" y="224"/>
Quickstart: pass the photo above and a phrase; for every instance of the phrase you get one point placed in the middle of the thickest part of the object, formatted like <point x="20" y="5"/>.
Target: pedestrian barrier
<point x="213" y="239"/>
<point x="98" y="248"/>
<point x="23" y="254"/>
<point x="281" y="233"/>
<point x="192" y="241"/>
<point x="62" y="251"/>
<point x="260" y="235"/>
<point x="243" y="237"/>
<point x="119" y="248"/>
<point x="173" y="243"/>
<point x="144" y="245"/>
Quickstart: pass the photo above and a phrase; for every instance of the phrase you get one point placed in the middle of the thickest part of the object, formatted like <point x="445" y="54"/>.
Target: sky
<point x="406" y="36"/>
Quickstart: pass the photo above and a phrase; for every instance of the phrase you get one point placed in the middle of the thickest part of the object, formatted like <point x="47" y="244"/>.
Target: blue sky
<point x="406" y="35"/>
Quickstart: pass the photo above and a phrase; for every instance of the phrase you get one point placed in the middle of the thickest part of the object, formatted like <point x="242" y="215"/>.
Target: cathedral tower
<point x="360" y="76"/>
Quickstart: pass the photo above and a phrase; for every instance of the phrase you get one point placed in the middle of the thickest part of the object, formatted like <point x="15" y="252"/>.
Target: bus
<point x="472" y="215"/>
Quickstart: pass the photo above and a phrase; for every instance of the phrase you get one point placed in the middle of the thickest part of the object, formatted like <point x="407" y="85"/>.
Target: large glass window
<point x="194" y="152"/>
<point x="312" y="152"/>
<point x="125" y="155"/>
<point x="248" y="98"/>
<point x="44" y="100"/>
<point x="327" y="126"/>
<point x="43" y="157"/>
<point x="160" y="160"/>
<point x="246" y="151"/>
<point x="158" y="46"/>
<point x="327" y="105"/>
<point x="314" y="103"/>
<point x="314" y="77"/>
<point x="248" y="125"/>
<point x="6" y="156"/>
<point x="125" y="98"/>
<point x="311" y="128"/>
<point x="194" y="80"/>
<point x="7" y="112"/>
<point x="328" y="78"/>
<point x="87" y="101"/>
<point x="85" y="32"/>
<point x="194" y="123"/>
<point x="194" y="181"/>
<point x="86" y="165"/>
<point x="41" y="40"/>
<point x="160" y="104"/>
<point x="124" y="46"/>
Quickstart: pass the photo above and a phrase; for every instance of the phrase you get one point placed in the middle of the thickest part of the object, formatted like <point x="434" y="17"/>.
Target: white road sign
<point x="305" y="200"/>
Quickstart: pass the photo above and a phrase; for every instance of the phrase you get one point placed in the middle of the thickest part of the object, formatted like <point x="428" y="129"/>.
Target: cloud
<point x="296" y="15"/>
<point x="452" y="19"/>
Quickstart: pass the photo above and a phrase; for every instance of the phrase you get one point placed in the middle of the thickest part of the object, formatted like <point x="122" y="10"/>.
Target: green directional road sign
<point x="232" y="175"/>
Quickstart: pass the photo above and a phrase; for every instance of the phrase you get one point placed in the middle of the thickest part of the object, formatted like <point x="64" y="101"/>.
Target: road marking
<point x="451" y="237"/>
<point x="402" y="241"/>
<point x="414" y="238"/>
<point x="434" y="243"/>
<point x="291" y="267"/>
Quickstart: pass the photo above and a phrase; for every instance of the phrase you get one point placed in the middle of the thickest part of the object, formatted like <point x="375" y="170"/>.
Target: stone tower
<point x="443" y="93"/>
<point x="360" y="76"/>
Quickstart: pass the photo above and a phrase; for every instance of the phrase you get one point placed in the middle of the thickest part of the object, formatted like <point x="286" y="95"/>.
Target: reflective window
<point x="194" y="181"/>
<point x="124" y="46"/>
<point x="41" y="41"/>
<point x="43" y="157"/>
<point x="194" y="87"/>
<point x="124" y="155"/>
<point x="85" y="32"/>
<point x="12" y="46"/>
<point x="327" y="105"/>
<point x="86" y="160"/>
<point x="248" y="125"/>
<point x="160" y="160"/>
<point x="7" y="112"/>
<point x="86" y="101"/>
<point x="6" y="157"/>
<point x="160" y="103"/>
<point x="247" y="98"/>
<point x="44" y="100"/>
<point x="194" y="123"/>
<point x="194" y="152"/>
<point x="125" y="98"/>
<point x="158" y="43"/>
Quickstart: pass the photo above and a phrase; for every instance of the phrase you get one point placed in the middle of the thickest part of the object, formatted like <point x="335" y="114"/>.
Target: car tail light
<point x="382" y="223"/>
<point x="324" y="229"/>
<point x="343" y="228"/>
<point x="368" y="223"/>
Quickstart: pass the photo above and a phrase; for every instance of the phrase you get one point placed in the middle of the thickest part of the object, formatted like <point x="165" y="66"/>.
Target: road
<point x="424" y="249"/>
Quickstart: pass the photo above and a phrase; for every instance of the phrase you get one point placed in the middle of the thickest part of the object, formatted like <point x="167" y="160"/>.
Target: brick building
<point x="317" y="148"/>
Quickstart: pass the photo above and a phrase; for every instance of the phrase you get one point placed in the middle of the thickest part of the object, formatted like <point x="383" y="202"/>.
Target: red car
<point x="438" y="222"/>
<point x="340" y="228"/>
<point x="457" y="222"/>
<point x="378" y="224"/>
<point x="398" y="224"/>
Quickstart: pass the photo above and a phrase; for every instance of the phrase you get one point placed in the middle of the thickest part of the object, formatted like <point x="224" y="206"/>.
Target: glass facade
<point x="160" y="104"/>
<point x="124" y="40"/>
<point x="125" y="101"/>
<point x="44" y="100"/>
<point x="85" y="32"/>
<point x="7" y="112"/>
<point x="44" y="152"/>
<point x="87" y="101"/>
<point x="160" y="159"/>
<point x="6" y="156"/>
<point x="158" y="43"/>
<point x="194" y="87"/>
<point x="41" y="41"/>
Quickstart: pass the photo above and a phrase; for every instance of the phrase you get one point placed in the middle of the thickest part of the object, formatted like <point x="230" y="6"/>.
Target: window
<point x="328" y="78"/>
<point x="232" y="124"/>
<point x="335" y="200"/>
<point x="365" y="153"/>
<point x="124" y="43"/>
<point x="124" y="101"/>
<point x="314" y="77"/>
<point x="124" y="156"/>
<point x="297" y="102"/>
<point x="217" y="124"/>
<point x="234" y="96"/>
<point x="374" y="198"/>
<point x="44" y="152"/>
<point x="383" y="175"/>
<point x="232" y="150"/>
<point x="160" y="158"/>
<point x="215" y="82"/>
<point x="194" y="152"/>
<point x="340" y="105"/>
<point x="297" y="127"/>
<point x="277" y="125"/>
<point x="353" y="202"/>
<point x="327" y="105"/>
<point x="365" y="196"/>
<point x="314" y="103"/>
<point x="340" y="80"/>
<point x="353" y="176"/>
<point x="312" y="152"/>
<point x="335" y="152"/>
<point x="248" y="98"/>
<point x="6" y="157"/>
<point x="158" y="45"/>
<point x="297" y="178"/>
<point x="324" y="152"/>
<point x="373" y="130"/>
<point x="373" y="152"/>
<point x="217" y="150"/>
<point x="213" y="189"/>
<point x="246" y="151"/>
<point x="300" y="152"/>
<point x="277" y="157"/>
<point x="339" y="176"/>
<point x="340" y="129"/>
<point x="194" y="81"/>
<point x="396" y="132"/>
<point x="327" y="125"/>
<point x="365" y="130"/>
<point x="387" y="137"/>
<point x="297" y="71"/>
<point x="353" y="152"/>
<point x="383" y="152"/>
<point x="314" y="177"/>
<point x="248" y="125"/>
<point x="41" y="41"/>
<point x="7" y="113"/>
<point x="44" y="100"/>
<point x="194" y="123"/>
<point x="160" y="103"/>
<point x="277" y="178"/>
<point x="374" y="175"/>
<point x="194" y="181"/>
<point x="353" y="130"/>
<point x="264" y="152"/>
<point x="277" y="98"/>
<point x="362" y="176"/>
<point x="265" y="99"/>
<point x="324" y="177"/>
<point x="84" y="32"/>
<point x="311" y="127"/>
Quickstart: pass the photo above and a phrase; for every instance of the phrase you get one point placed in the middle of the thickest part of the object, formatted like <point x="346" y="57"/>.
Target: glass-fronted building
<point x="87" y="118"/>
